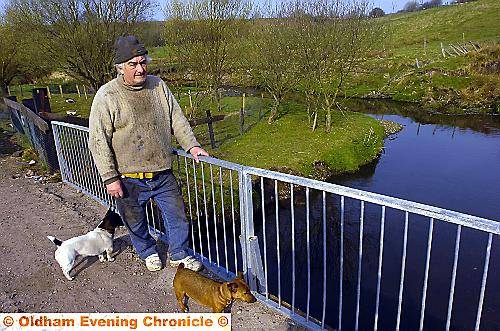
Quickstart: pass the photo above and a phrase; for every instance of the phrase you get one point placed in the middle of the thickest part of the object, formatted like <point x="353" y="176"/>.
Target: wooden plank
<point x="40" y="123"/>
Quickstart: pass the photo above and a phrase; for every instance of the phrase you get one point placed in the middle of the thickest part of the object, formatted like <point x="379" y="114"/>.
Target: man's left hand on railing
<point x="196" y="151"/>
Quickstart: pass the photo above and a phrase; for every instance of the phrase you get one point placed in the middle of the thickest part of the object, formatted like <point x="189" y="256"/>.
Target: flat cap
<point x="128" y="47"/>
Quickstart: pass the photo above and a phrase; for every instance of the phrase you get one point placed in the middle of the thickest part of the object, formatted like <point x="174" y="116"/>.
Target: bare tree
<point x="270" y="57"/>
<point x="79" y="34"/>
<point x="204" y="35"/>
<point x="333" y="38"/>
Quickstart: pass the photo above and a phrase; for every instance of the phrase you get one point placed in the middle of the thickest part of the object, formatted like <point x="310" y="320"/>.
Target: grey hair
<point x="119" y="66"/>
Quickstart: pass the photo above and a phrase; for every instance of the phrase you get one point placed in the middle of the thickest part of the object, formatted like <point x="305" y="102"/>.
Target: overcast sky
<point x="388" y="6"/>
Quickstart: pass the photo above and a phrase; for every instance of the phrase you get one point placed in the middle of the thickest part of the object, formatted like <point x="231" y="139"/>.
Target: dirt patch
<point x="33" y="282"/>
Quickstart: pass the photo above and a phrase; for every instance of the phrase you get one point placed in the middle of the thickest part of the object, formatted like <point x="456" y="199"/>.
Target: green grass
<point x="392" y="71"/>
<point x="355" y="140"/>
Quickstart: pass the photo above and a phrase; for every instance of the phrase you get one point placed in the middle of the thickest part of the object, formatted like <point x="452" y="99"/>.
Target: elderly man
<point x="132" y="120"/>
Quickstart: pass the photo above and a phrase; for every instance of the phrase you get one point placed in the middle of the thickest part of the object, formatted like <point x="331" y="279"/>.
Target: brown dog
<point x="209" y="292"/>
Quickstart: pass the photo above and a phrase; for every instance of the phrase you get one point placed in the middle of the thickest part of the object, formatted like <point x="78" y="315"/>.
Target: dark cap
<point x="128" y="47"/>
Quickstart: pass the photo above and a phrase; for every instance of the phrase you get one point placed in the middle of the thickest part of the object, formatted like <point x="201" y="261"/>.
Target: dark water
<point x="449" y="162"/>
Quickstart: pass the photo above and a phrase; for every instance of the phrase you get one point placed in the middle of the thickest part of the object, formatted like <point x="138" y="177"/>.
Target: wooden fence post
<point x="261" y="105"/>
<point x="8" y="89"/>
<point x="78" y="90"/>
<point x="60" y="90"/>
<point x="190" y="103"/>
<point x="242" y="114"/>
<point x="48" y="92"/>
<point x="442" y="50"/>
<point x="21" y="90"/>
<point x="85" y="92"/>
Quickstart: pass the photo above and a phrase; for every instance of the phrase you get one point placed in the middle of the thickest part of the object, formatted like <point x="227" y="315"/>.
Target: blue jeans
<point x="132" y="207"/>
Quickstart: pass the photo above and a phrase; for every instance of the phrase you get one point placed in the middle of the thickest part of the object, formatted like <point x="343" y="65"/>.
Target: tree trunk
<point x="274" y="110"/>
<point x="315" y="122"/>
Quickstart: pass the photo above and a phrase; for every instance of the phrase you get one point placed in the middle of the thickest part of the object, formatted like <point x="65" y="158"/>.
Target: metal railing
<point x="326" y="255"/>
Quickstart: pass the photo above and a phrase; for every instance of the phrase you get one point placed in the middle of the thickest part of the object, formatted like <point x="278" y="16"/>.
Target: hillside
<point x="451" y="83"/>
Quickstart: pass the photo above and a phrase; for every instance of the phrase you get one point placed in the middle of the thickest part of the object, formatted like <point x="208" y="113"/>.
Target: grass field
<point x="451" y="83"/>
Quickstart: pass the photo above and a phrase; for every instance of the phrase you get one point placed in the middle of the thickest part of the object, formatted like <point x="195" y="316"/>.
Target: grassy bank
<point x="458" y="83"/>
<point x="289" y="144"/>
<point x="286" y="145"/>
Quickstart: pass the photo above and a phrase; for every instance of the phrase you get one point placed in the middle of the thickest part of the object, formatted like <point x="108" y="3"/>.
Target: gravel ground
<point x="31" y="280"/>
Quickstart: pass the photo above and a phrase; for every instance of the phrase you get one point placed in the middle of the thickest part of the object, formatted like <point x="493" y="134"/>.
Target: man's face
<point x="135" y="71"/>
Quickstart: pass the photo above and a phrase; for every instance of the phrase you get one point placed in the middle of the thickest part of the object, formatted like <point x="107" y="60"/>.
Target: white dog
<point x="96" y="242"/>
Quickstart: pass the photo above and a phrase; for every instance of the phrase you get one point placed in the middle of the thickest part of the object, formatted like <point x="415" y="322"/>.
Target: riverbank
<point x="288" y="144"/>
<point x="445" y="58"/>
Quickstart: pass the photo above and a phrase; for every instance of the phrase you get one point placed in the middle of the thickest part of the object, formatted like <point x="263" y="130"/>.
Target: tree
<point x="17" y="56"/>
<point x="270" y="57"/>
<point x="204" y="35"/>
<point x="79" y="35"/>
<point x="411" y="6"/>
<point x="377" y="12"/>
<point x="333" y="39"/>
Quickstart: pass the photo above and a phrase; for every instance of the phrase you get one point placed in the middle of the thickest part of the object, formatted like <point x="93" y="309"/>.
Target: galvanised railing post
<point x="247" y="227"/>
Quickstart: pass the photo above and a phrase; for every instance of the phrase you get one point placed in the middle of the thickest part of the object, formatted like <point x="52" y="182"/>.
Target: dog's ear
<point x="240" y="275"/>
<point x="233" y="287"/>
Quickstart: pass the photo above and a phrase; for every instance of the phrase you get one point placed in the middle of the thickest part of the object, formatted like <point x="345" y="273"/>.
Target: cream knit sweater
<point x="131" y="128"/>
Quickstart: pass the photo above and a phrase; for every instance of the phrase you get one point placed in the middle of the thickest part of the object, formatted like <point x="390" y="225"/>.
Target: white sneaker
<point x="189" y="262"/>
<point x="153" y="262"/>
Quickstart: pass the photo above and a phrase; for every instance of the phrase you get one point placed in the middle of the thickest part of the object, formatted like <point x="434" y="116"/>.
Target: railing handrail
<point x="471" y="221"/>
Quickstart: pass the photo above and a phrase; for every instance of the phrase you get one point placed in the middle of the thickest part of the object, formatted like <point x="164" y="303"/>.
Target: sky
<point x="388" y="6"/>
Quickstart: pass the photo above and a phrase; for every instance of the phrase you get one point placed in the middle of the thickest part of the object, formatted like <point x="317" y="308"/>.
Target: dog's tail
<point x="56" y="241"/>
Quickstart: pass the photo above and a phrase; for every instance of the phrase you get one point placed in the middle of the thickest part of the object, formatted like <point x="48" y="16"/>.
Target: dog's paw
<point x="111" y="259"/>
<point x="68" y="277"/>
<point x="102" y="258"/>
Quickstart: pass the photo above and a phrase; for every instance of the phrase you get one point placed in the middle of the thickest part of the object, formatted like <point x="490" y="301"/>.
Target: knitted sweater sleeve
<point x="100" y="135"/>
<point x="180" y="125"/>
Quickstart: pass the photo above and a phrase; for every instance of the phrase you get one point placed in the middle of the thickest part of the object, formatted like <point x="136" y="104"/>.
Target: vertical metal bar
<point x="197" y="207"/>
<point x="250" y="264"/>
<point x="223" y="216"/>
<point x="403" y="269"/>
<point x="453" y="277"/>
<point x="379" y="273"/>
<point x="426" y="275"/>
<point x="360" y="260"/>
<point x="324" y="261"/>
<point x="214" y="207"/>
<point x="234" y="222"/>
<point x="341" y="273"/>
<point x="206" y="212"/>
<point x="87" y="185"/>
<point x="308" y="256"/>
<point x="292" y="210"/>
<point x="189" y="202"/>
<point x="483" y="283"/>
<point x="69" y="154"/>
<point x="264" y="233"/>
<point x="55" y="132"/>
<point x="276" y="198"/>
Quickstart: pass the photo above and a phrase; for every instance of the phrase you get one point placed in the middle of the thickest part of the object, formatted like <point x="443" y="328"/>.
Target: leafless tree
<point x="78" y="35"/>
<point x="270" y="56"/>
<point x="333" y="38"/>
<point x="205" y="35"/>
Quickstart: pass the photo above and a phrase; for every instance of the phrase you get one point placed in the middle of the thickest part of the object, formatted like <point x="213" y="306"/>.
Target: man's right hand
<point x="115" y="189"/>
